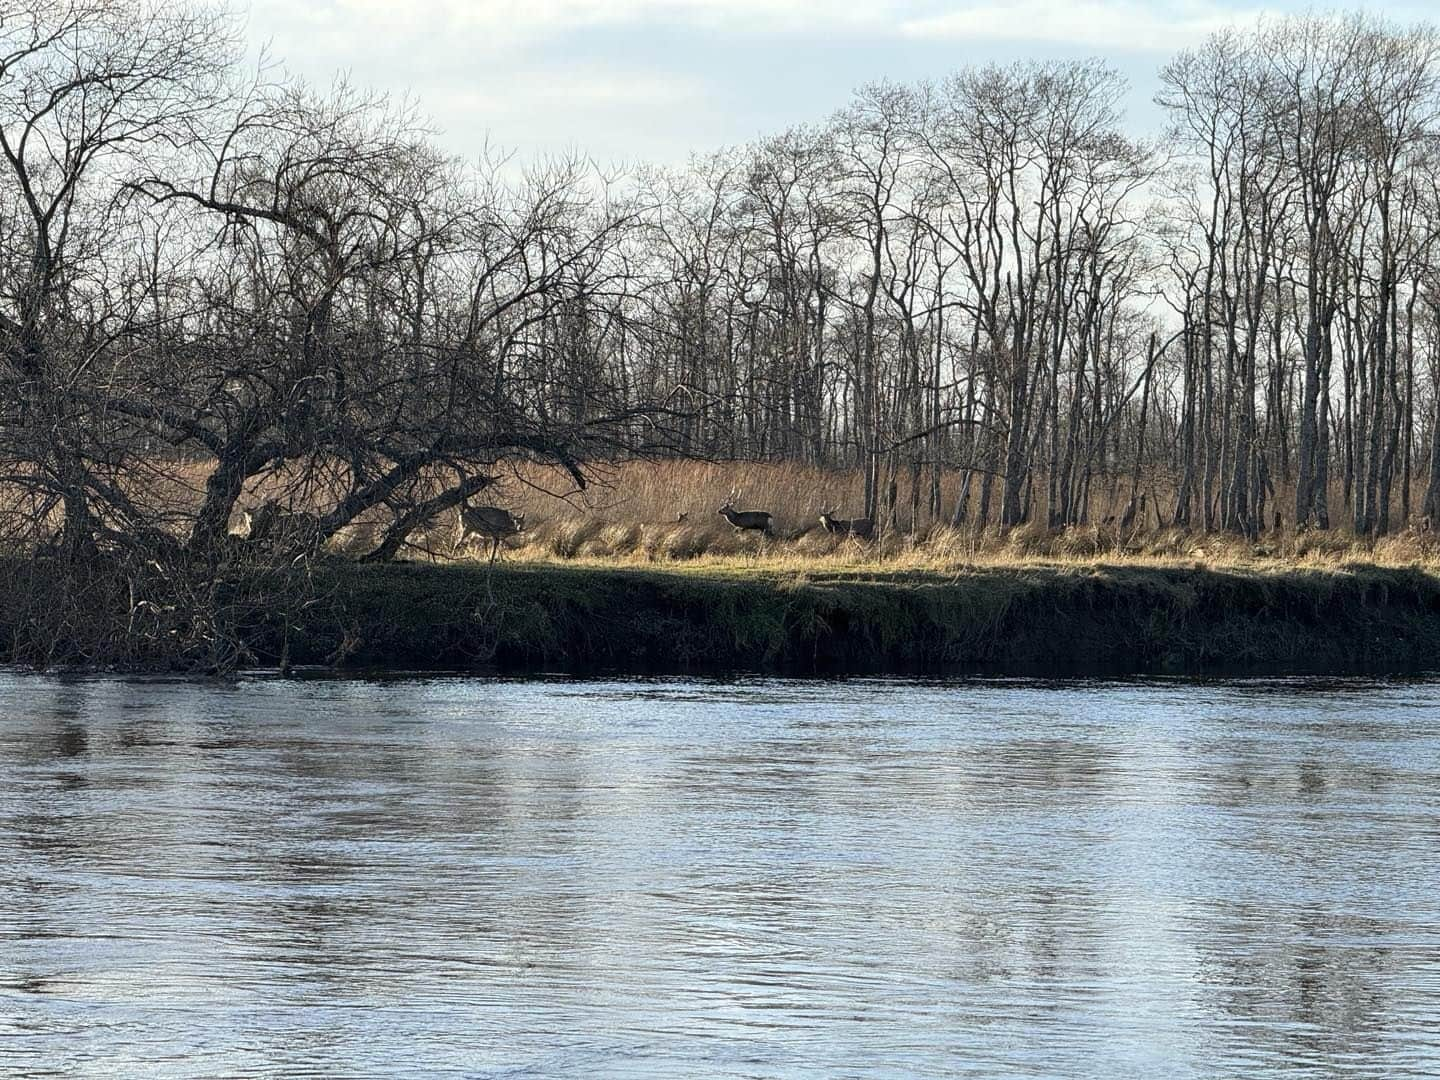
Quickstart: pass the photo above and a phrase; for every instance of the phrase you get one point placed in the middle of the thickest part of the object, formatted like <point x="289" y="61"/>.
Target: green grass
<point x="1098" y="618"/>
<point x="714" y="616"/>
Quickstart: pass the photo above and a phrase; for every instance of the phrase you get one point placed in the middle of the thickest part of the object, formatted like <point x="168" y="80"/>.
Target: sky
<point x="628" y="81"/>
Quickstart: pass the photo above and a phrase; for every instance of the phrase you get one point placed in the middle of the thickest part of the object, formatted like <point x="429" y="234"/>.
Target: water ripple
<point x="446" y="878"/>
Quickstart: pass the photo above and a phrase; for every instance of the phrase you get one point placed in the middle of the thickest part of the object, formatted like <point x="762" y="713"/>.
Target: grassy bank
<point x="1097" y="618"/>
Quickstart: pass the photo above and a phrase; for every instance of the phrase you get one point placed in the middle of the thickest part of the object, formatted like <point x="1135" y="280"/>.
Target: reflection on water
<point x="478" y="878"/>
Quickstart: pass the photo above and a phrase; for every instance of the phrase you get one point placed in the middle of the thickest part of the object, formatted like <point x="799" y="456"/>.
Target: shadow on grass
<point x="1096" y="619"/>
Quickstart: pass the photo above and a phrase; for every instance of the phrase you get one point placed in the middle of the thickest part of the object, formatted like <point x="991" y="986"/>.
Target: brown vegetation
<point x="633" y="518"/>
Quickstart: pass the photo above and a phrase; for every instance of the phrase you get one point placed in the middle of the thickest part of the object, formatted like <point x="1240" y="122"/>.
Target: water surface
<point x="459" y="877"/>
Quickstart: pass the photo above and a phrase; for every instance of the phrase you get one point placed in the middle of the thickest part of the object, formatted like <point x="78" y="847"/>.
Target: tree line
<point x="212" y="276"/>
<point x="990" y="275"/>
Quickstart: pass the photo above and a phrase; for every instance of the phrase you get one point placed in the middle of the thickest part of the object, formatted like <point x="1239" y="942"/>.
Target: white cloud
<point x="656" y="79"/>
<point x="620" y="78"/>
<point x="511" y="22"/>
<point x="1107" y="25"/>
<point x="610" y="114"/>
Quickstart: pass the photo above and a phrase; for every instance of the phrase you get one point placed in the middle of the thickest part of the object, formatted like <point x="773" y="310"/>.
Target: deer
<point x="279" y="526"/>
<point x="759" y="520"/>
<point x="864" y="528"/>
<point x="490" y="522"/>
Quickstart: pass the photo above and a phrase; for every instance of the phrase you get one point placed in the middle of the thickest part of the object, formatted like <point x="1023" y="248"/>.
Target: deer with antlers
<point x="741" y="520"/>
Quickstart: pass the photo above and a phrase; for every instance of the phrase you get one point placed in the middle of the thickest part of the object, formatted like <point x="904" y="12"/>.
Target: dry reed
<point x="665" y="511"/>
<point x="631" y="517"/>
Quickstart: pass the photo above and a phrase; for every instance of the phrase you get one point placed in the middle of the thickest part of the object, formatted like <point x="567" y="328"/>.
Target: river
<point x="466" y="877"/>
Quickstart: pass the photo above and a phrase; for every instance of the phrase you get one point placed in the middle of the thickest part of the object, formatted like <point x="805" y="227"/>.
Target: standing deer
<point x="280" y="527"/>
<point x="758" y="520"/>
<point x="490" y="522"/>
<point x="861" y="527"/>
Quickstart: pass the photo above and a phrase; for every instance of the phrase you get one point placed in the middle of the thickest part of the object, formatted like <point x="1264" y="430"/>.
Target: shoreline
<point x="1102" y="620"/>
<point x="585" y="619"/>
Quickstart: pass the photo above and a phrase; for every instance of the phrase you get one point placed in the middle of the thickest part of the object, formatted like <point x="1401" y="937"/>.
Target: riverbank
<point x="783" y="618"/>
<point x="1104" y="619"/>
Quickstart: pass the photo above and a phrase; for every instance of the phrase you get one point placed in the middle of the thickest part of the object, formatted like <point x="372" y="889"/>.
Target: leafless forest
<point x="985" y="295"/>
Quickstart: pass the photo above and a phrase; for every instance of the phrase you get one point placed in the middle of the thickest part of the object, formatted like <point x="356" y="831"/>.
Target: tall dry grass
<point x="631" y="516"/>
